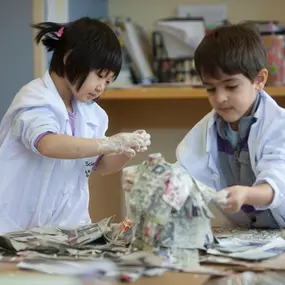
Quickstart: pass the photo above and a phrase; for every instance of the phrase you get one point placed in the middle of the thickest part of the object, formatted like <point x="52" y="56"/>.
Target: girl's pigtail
<point x="48" y="33"/>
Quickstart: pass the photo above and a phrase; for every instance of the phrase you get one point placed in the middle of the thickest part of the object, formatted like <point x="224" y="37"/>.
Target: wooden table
<point x="170" y="93"/>
<point x="166" y="279"/>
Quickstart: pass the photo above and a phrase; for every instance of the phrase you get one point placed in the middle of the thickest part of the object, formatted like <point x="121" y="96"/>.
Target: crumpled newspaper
<point x="250" y="278"/>
<point x="56" y="239"/>
<point x="167" y="209"/>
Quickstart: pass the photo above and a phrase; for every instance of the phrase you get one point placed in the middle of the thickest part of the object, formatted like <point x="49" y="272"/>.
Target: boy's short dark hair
<point x="86" y="45"/>
<point x="231" y="49"/>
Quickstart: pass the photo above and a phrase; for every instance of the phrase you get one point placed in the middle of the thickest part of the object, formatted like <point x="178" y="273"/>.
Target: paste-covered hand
<point x="126" y="143"/>
<point x="147" y="141"/>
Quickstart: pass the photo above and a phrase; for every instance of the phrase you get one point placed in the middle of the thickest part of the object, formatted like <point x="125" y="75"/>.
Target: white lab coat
<point x="36" y="190"/>
<point x="198" y="154"/>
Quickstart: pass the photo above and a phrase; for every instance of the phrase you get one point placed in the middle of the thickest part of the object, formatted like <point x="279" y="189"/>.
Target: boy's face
<point x="232" y="96"/>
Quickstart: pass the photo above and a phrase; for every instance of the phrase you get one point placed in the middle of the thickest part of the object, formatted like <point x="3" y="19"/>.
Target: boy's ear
<point x="261" y="79"/>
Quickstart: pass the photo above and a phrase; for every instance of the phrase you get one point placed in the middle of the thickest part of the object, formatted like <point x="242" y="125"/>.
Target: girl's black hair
<point x="85" y="45"/>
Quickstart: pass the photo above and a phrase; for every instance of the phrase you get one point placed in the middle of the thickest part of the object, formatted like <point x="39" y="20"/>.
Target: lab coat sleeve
<point x="270" y="168"/>
<point x="29" y="124"/>
<point x="183" y="151"/>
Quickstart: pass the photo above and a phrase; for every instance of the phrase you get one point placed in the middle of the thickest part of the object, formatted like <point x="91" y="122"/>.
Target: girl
<point x="53" y="134"/>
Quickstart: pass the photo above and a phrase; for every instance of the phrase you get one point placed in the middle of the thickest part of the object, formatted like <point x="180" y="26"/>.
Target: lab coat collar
<point x="50" y="85"/>
<point x="88" y="113"/>
<point x="213" y="116"/>
<point x="85" y="111"/>
<point x="259" y="113"/>
<point x="211" y="122"/>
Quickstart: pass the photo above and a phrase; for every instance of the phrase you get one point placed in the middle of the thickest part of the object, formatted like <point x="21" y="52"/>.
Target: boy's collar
<point x="213" y="117"/>
<point x="254" y="110"/>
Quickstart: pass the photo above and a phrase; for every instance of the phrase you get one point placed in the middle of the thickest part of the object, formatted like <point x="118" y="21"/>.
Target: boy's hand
<point x="236" y="196"/>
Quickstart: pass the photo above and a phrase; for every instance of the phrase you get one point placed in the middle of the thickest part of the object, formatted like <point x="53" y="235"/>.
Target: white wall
<point x="147" y="11"/>
<point x="16" y="49"/>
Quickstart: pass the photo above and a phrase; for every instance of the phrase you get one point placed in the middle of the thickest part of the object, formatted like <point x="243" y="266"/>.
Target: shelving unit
<point x="155" y="93"/>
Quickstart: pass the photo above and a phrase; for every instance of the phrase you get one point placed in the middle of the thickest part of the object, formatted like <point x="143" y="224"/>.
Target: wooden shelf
<point x="168" y="93"/>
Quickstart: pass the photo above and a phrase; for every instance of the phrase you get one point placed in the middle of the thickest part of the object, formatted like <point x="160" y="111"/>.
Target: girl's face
<point x="94" y="85"/>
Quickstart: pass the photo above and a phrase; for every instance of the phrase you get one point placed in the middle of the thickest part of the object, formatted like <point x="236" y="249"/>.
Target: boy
<point x="240" y="145"/>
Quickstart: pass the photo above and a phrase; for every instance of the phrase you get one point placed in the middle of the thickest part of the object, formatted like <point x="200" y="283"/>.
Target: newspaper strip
<point x="55" y="239"/>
